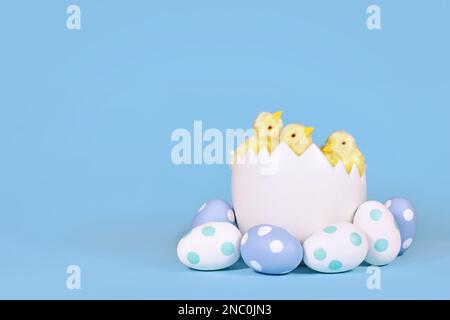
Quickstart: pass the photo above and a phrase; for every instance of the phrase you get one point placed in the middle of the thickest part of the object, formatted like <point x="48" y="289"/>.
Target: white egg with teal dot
<point x="270" y="249"/>
<point x="217" y="210"/>
<point x="382" y="231"/>
<point x="210" y="246"/>
<point x="335" y="248"/>
<point x="405" y="216"/>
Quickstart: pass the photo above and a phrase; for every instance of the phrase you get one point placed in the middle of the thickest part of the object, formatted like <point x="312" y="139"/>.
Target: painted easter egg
<point x="214" y="210"/>
<point x="405" y="215"/>
<point x="335" y="248"/>
<point x="382" y="232"/>
<point x="270" y="249"/>
<point x="210" y="246"/>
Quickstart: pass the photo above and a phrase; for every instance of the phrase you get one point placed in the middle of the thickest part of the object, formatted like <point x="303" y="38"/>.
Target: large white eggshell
<point x="383" y="235"/>
<point x="298" y="193"/>
<point x="335" y="248"/>
<point x="210" y="246"/>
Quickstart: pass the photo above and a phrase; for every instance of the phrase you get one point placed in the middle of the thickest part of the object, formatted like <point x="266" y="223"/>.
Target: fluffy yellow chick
<point x="267" y="127"/>
<point x="342" y="146"/>
<point x="297" y="137"/>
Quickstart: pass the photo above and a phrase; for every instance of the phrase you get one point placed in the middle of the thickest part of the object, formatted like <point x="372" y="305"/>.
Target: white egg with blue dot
<point x="270" y="249"/>
<point x="210" y="246"/>
<point x="382" y="232"/>
<point x="335" y="248"/>
<point x="216" y="210"/>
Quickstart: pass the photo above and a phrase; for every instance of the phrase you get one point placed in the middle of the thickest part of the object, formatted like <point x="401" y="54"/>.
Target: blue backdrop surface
<point x="86" y="116"/>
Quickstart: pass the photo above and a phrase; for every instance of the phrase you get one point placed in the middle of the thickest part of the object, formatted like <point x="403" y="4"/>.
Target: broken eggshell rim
<point x="264" y="158"/>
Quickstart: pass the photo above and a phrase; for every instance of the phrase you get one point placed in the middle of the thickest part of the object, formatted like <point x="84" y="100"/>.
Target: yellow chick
<point x="267" y="127"/>
<point x="297" y="137"/>
<point x="342" y="146"/>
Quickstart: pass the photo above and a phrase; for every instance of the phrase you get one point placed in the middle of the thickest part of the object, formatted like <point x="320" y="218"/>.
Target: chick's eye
<point x="293" y="135"/>
<point x="344" y="143"/>
<point x="270" y="128"/>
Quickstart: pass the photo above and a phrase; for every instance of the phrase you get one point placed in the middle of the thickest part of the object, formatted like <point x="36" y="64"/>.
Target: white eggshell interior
<point x="298" y="193"/>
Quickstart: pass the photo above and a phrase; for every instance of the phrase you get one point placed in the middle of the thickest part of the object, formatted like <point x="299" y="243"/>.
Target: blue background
<point x="86" y="116"/>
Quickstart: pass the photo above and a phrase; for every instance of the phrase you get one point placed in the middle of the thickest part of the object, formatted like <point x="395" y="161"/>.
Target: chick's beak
<point x="277" y="115"/>
<point x="327" y="148"/>
<point x="309" y="131"/>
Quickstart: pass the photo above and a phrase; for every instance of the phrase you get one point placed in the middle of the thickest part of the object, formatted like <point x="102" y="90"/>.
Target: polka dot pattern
<point x="381" y="245"/>
<point x="405" y="217"/>
<point x="355" y="239"/>
<point x="408" y="215"/>
<point x="211" y="246"/>
<point x="271" y="247"/>
<point x="407" y="243"/>
<point x="320" y="254"/>
<point x="193" y="257"/>
<point x="227" y="248"/>
<point x="330" y="229"/>
<point x="341" y="251"/>
<point x="335" y="265"/>
<point x="215" y="210"/>
<point x="276" y="246"/>
<point x="264" y="230"/>
<point x="378" y="230"/>
<point x="375" y="214"/>
<point x="255" y="265"/>
<point x="208" y="231"/>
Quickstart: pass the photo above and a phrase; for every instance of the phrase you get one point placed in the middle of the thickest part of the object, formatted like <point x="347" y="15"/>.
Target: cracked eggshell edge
<point x="298" y="193"/>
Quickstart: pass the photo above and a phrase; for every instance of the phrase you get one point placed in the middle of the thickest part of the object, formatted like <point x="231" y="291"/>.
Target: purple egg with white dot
<point x="405" y="216"/>
<point x="271" y="250"/>
<point x="216" y="210"/>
